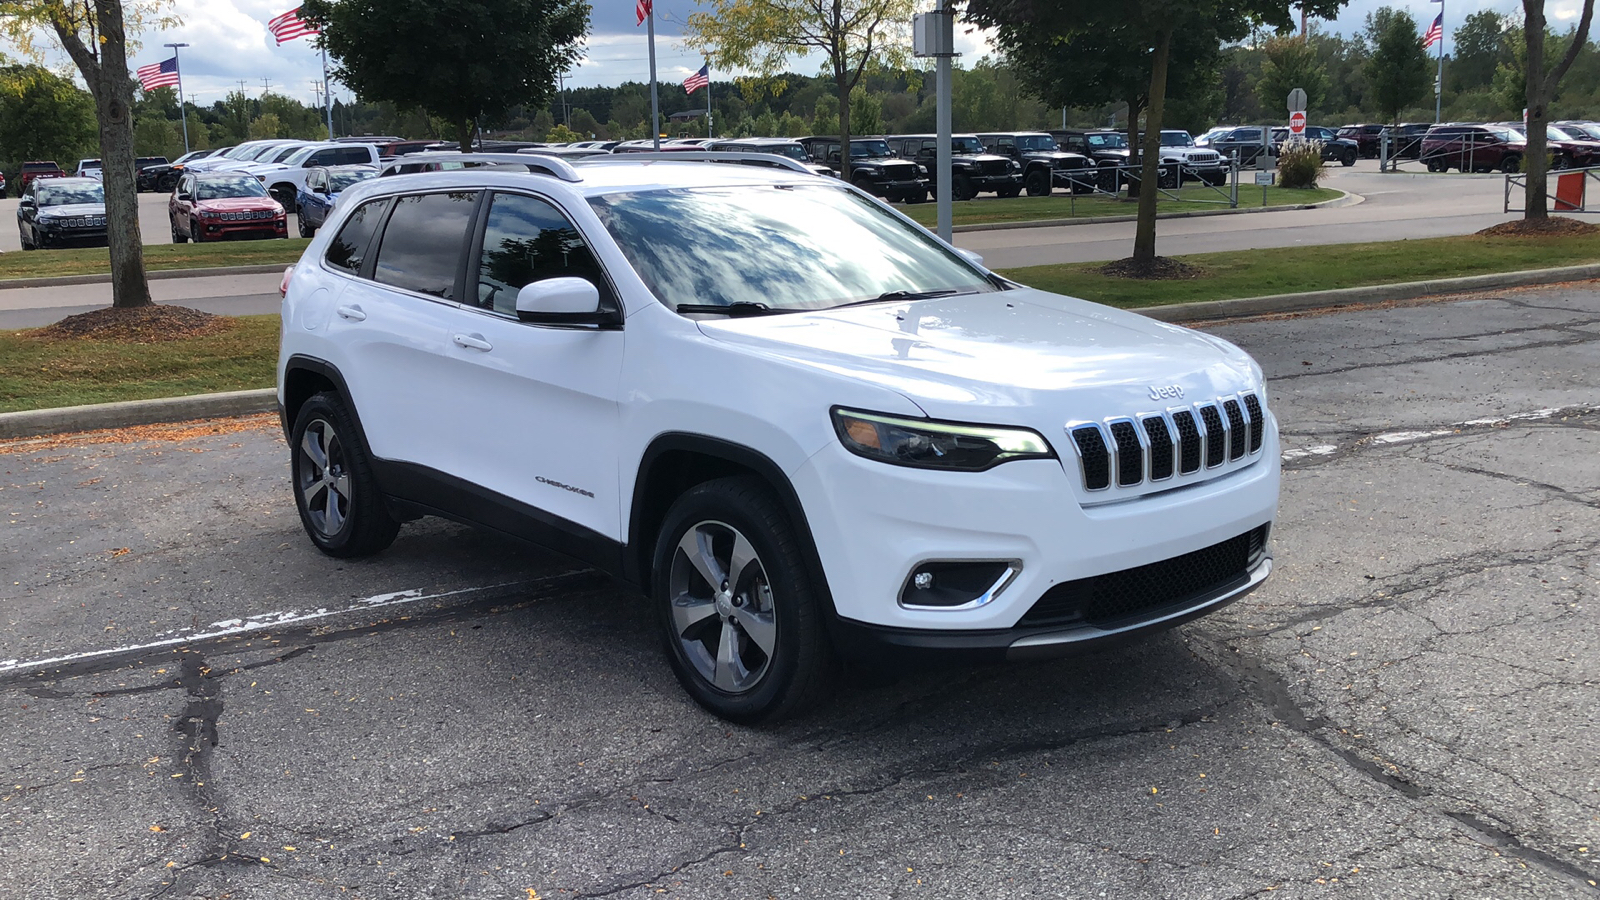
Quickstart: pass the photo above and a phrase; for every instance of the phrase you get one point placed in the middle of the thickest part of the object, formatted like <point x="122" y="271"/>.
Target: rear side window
<point x="421" y="246"/>
<point x="348" y="155"/>
<point x="348" y="250"/>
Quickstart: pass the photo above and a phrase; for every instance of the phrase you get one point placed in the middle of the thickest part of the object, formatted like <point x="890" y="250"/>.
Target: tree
<point x="463" y="62"/>
<point x="1291" y="63"/>
<point x="1142" y="35"/>
<point x="1398" y="73"/>
<point x="1541" y="89"/>
<point x="1479" y="48"/>
<point x="94" y="33"/>
<point x="43" y="116"/>
<point x="762" y="36"/>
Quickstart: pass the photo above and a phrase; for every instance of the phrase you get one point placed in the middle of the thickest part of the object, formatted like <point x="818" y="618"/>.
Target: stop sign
<point x="1297" y="123"/>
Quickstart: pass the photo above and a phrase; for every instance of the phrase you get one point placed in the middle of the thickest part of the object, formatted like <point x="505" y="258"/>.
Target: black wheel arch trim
<point x="636" y="563"/>
<point x="300" y="362"/>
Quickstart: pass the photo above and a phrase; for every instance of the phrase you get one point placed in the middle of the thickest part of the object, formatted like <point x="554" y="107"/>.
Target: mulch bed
<point x="1554" y="226"/>
<point x="138" y="325"/>
<point x="1161" y="268"/>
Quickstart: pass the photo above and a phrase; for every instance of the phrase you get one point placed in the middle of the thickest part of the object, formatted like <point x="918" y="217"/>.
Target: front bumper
<point x="244" y="229"/>
<point x="72" y="237"/>
<point x="998" y="182"/>
<point x="875" y="524"/>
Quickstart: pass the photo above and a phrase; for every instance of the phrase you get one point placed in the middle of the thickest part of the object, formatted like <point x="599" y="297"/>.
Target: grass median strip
<point x="36" y="374"/>
<point x="988" y="210"/>
<point x="97" y="261"/>
<point x="1257" y="273"/>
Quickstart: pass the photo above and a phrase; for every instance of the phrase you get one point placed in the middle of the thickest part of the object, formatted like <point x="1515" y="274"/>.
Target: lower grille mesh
<point x="1118" y="598"/>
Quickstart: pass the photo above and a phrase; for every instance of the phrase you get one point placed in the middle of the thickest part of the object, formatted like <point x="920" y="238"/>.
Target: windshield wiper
<point x="897" y="296"/>
<point x="735" y="310"/>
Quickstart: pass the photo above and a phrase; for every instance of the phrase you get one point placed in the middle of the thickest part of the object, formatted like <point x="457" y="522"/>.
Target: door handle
<point x="353" y="313"/>
<point x="472" y="342"/>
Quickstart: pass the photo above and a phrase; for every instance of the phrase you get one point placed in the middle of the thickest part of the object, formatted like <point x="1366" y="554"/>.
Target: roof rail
<point x="549" y="165"/>
<point x="722" y="156"/>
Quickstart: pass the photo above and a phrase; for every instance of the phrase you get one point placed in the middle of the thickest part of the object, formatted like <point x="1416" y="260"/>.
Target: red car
<point x="216" y="206"/>
<point x="38" y="169"/>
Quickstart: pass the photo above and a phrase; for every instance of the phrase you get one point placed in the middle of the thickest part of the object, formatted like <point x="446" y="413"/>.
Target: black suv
<point x="972" y="169"/>
<point x="1245" y="142"/>
<point x="874" y="168"/>
<point x="1334" y="148"/>
<point x="1115" y="163"/>
<point x="1044" y="164"/>
<point x="1405" y="139"/>
<point x="776" y="146"/>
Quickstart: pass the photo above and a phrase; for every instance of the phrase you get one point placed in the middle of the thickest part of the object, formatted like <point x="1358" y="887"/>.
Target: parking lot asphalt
<point x="194" y="703"/>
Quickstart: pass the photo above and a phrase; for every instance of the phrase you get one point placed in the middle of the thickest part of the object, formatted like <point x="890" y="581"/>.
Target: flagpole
<point x="709" y="132"/>
<point x="1438" y="86"/>
<point x="655" y="102"/>
<point x="183" y="114"/>
<point x="327" y="92"/>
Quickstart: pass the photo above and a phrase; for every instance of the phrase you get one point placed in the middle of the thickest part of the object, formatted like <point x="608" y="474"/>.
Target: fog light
<point x="957" y="585"/>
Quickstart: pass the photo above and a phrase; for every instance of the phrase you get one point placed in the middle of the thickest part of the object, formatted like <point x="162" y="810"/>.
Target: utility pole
<point x="266" y="86"/>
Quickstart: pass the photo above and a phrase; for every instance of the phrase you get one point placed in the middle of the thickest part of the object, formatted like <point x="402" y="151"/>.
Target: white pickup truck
<point x="284" y="180"/>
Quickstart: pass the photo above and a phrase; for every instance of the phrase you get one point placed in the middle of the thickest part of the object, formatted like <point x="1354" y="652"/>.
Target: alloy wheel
<point x="324" y="479"/>
<point x="722" y="607"/>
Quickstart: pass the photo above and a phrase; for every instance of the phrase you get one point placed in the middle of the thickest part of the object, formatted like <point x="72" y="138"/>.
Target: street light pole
<point x="183" y="114"/>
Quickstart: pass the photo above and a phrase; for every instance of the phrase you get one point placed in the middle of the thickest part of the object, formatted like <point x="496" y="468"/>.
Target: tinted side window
<point x="348" y="250"/>
<point x="347" y="155"/>
<point x="527" y="240"/>
<point x="421" y="246"/>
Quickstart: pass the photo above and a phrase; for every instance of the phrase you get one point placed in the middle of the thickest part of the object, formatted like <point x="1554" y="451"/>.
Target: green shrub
<point x="1300" y="164"/>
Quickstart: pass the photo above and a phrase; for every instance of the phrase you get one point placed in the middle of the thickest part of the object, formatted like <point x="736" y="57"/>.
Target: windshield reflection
<point x="788" y="247"/>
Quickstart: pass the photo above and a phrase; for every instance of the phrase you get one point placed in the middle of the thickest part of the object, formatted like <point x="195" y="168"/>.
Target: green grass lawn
<point x="94" y="261"/>
<point x="41" y="375"/>
<point x="988" y="209"/>
<point x="1255" y="273"/>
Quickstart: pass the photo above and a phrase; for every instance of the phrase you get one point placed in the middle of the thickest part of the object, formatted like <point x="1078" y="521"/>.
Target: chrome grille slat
<point x="1127" y="451"/>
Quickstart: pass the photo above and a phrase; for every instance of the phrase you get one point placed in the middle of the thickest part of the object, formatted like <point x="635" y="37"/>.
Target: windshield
<point x="1108" y="141"/>
<point x="88" y="163"/>
<point x="1176" y="139"/>
<point x="223" y="188"/>
<point x="789" y="248"/>
<point x="63" y="194"/>
<point x="281" y="155"/>
<point x="868" y="149"/>
<point x="966" y="145"/>
<point x="1036" y="143"/>
<point x="1560" y="134"/>
<point x="338" y="181"/>
<point x="1586" y="131"/>
<point x="1513" y="135"/>
<point x="258" y="153"/>
<point x="243" y="151"/>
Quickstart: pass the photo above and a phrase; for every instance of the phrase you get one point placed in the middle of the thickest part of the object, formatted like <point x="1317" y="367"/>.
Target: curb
<point x="32" y="423"/>
<point x="152" y="275"/>
<point x="1347" y="199"/>
<point x="1363" y="296"/>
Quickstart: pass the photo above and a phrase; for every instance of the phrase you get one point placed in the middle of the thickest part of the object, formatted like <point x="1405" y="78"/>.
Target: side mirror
<point x="186" y="196"/>
<point x="320" y="189"/>
<point x="564" y="301"/>
<point x="972" y="257"/>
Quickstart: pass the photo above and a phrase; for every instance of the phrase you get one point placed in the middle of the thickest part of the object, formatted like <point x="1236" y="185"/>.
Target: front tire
<point x="962" y="188"/>
<point x="178" y="238"/>
<point x="741" y="618"/>
<point x="335" y="490"/>
<point x="300" y="222"/>
<point x="1037" y="183"/>
<point x="1511" y="163"/>
<point x="1348" y="159"/>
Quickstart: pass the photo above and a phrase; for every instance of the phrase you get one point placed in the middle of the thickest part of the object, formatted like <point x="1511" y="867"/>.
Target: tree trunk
<point x="844" y="127"/>
<point x="1536" y="164"/>
<point x="465" y="134"/>
<point x="112" y="88"/>
<point x="1144" y="235"/>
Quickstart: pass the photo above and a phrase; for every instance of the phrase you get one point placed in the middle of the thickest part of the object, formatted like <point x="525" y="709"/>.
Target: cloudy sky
<point x="229" y="43"/>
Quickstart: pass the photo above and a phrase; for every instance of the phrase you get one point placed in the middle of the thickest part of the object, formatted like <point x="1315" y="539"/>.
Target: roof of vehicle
<point x="225" y="173"/>
<point x="73" y="180"/>
<point x="42" y="163"/>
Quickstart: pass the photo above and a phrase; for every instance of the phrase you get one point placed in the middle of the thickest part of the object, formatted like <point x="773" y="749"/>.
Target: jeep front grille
<point x="1131" y="451"/>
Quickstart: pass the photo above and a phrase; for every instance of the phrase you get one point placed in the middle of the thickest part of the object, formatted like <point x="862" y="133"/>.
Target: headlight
<point x="1014" y="166"/>
<point x="928" y="444"/>
<point x="922" y="169"/>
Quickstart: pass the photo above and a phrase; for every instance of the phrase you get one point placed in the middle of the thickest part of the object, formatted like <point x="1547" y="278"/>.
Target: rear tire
<point x="740" y="616"/>
<point x="335" y="490"/>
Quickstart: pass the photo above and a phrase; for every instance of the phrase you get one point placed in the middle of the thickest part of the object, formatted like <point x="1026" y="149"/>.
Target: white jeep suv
<point x="804" y="426"/>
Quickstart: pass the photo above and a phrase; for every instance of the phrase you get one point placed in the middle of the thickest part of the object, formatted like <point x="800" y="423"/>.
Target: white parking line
<point x="1406" y="437"/>
<point x="259" y="622"/>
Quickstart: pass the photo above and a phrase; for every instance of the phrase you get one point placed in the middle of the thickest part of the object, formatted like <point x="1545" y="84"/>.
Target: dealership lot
<point x="193" y="702"/>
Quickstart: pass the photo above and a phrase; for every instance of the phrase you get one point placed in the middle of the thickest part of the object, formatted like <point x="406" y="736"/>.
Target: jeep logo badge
<point x="1166" y="392"/>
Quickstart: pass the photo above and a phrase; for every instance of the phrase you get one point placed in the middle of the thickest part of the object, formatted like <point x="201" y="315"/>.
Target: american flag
<point x="698" y="80"/>
<point x="289" y="26"/>
<point x="1436" y="33"/>
<point x="641" y="8"/>
<point x="158" y="75"/>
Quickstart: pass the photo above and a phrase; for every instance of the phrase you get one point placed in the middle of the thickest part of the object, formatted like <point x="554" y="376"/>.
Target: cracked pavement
<point x="1406" y="709"/>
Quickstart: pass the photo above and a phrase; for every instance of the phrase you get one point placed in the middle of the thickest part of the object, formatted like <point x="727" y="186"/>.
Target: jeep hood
<point x="1025" y="349"/>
